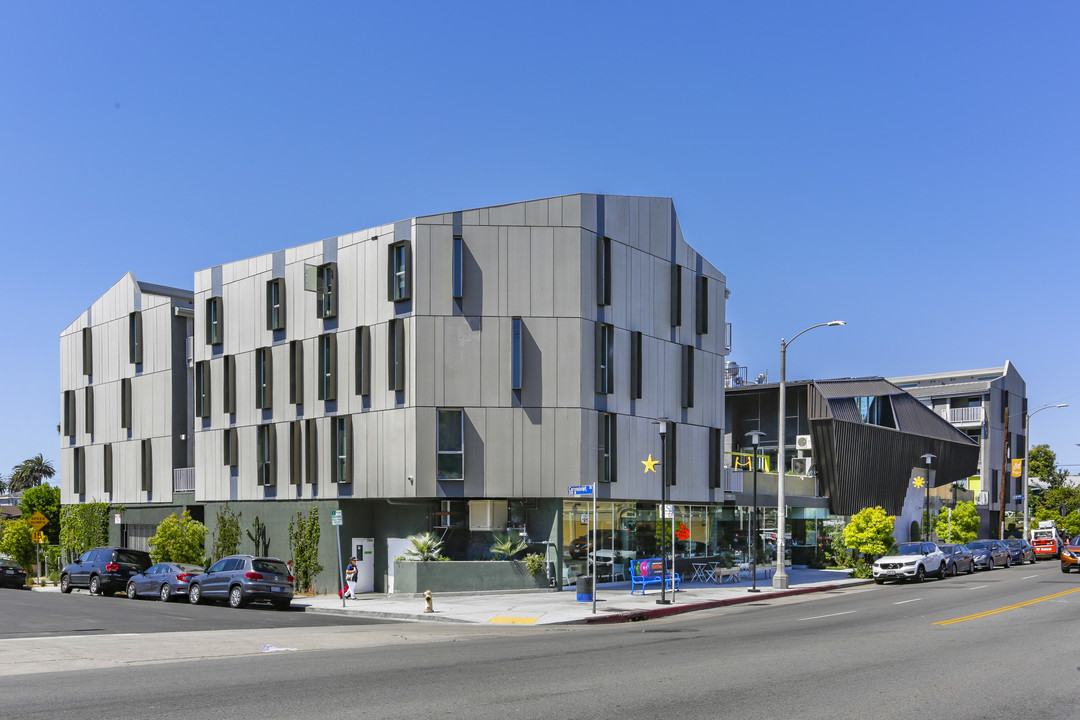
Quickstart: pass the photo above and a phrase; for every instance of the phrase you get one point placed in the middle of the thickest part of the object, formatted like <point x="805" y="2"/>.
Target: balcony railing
<point x="183" y="479"/>
<point x="960" y="416"/>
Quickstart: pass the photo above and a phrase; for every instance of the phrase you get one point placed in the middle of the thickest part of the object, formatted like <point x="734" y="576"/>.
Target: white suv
<point x="910" y="560"/>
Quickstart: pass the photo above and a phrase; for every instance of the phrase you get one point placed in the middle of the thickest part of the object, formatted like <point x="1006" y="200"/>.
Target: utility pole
<point x="1004" y="471"/>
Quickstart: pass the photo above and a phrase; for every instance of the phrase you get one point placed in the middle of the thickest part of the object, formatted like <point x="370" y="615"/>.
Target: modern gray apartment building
<point x="454" y="372"/>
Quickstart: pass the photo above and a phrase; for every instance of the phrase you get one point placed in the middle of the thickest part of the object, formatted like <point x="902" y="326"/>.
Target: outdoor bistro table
<point x="700" y="570"/>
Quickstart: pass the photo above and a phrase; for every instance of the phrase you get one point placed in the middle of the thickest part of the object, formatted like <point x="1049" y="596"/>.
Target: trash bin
<point x="584" y="588"/>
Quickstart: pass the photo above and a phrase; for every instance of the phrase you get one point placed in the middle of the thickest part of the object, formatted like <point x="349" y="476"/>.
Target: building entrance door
<point x="364" y="550"/>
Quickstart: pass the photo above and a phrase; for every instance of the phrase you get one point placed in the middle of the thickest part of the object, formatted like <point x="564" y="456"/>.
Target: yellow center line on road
<point x="976" y="616"/>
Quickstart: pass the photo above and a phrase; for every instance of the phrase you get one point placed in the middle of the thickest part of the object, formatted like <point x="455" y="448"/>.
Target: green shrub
<point x="535" y="563"/>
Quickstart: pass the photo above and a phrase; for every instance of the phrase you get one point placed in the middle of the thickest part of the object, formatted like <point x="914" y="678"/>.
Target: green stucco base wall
<point x="411" y="578"/>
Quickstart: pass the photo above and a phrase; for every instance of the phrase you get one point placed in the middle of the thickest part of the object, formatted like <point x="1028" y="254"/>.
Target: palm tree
<point x="425" y="546"/>
<point x="29" y="473"/>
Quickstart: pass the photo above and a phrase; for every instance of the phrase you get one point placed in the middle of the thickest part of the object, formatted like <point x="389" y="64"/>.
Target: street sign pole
<point x="595" y="575"/>
<point x="335" y="519"/>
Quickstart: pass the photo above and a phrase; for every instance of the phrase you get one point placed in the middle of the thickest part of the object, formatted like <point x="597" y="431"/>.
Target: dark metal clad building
<point x="866" y="436"/>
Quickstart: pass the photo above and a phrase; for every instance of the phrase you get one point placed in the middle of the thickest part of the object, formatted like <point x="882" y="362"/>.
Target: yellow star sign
<point x="650" y="464"/>
<point x="918" y="481"/>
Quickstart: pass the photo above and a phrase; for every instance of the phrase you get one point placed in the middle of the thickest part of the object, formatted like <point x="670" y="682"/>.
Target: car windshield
<point x="275" y="567"/>
<point x="905" y="549"/>
<point x="981" y="544"/>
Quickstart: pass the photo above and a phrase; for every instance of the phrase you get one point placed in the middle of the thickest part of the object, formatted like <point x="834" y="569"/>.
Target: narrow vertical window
<point x="296" y="453"/>
<point x="450" y="447"/>
<point x="671" y="453"/>
<point x="515" y="353"/>
<point x="716" y="457"/>
<point x="603" y="270"/>
<point x="606" y="448"/>
<point x="296" y="372"/>
<point x="147" y="465"/>
<point x="328" y="367"/>
<point x="688" y="376"/>
<point x="125" y="403"/>
<point x="635" y="365"/>
<point x="676" y="296"/>
<point x="202" y="389"/>
<point x="88" y="410"/>
<point x="363" y="360"/>
<point x="265" y="450"/>
<point x="264" y="379"/>
<point x="228" y="384"/>
<point x="701" y="305"/>
<point x="399" y="271"/>
<point x="395" y="349"/>
<point x="326" y="286"/>
<point x="605" y="356"/>
<point x="135" y="338"/>
<point x="69" y="413"/>
<point x="107" y="469"/>
<point x="87" y="351"/>
<point x="311" y="465"/>
<point x="275" y="304"/>
<point x="229" y="447"/>
<point x="458" y="269"/>
<point x="341" y="449"/>
<point x="214" y="321"/>
<point x="79" y="472"/>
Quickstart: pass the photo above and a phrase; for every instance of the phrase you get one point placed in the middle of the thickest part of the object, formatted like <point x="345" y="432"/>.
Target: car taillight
<point x="112" y="567"/>
<point x="253" y="576"/>
<point x="183" y="577"/>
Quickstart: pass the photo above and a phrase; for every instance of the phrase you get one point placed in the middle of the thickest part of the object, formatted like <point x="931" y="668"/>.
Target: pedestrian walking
<point x="350" y="579"/>
<point x="292" y="575"/>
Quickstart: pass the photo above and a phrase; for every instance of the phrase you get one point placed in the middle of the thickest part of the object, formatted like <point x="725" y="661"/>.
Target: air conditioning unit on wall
<point x="803" y="442"/>
<point x="487" y="514"/>
<point x="800" y="466"/>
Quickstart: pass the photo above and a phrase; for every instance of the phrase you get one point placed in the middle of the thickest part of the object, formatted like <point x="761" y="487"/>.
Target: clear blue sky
<point x="911" y="168"/>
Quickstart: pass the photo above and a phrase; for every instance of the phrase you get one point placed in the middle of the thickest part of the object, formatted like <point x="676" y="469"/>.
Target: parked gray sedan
<point x="241" y="579"/>
<point x="958" y="559"/>
<point x="989" y="554"/>
<point x="164" y="580"/>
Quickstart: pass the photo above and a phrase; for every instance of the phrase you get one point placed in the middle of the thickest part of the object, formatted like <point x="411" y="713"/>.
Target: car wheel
<point x="971" y="568"/>
<point x="236" y="597"/>
<point x="282" y="604"/>
<point x="194" y="594"/>
<point x="1065" y="569"/>
<point x="131" y="591"/>
<point x="879" y="581"/>
<point x="955" y="570"/>
<point x="990" y="564"/>
<point x="1008" y="562"/>
<point x="95" y="585"/>
<point x="920" y="574"/>
<point x="165" y="593"/>
<point x="65" y="584"/>
<point x="941" y="572"/>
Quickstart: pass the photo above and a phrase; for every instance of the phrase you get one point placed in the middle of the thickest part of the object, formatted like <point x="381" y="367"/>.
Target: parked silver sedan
<point x="165" y="580"/>
<point x="958" y="559"/>
<point x="990" y="554"/>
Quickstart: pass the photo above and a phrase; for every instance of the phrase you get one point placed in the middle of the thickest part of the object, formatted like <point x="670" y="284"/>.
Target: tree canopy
<point x="30" y="473"/>
<point x="1042" y="464"/>
<point x="16" y="542"/>
<point x="178" y="540"/>
<point x="44" y="499"/>
<point x="965" y="524"/>
<point x="870" y="531"/>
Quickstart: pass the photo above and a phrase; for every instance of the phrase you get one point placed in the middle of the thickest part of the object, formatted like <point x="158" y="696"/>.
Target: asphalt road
<point x="991" y="645"/>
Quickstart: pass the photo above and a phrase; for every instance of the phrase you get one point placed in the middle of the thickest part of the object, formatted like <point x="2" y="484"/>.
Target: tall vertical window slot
<point x="603" y="270"/>
<point x="228" y="384"/>
<point x="328" y="367"/>
<point x="125" y="403"/>
<point x="671" y="453"/>
<point x="326" y="286"/>
<point x="265" y="450"/>
<point x="716" y="457"/>
<point x="363" y="360"/>
<point x="215" y="321"/>
<point x="688" y="376"/>
<point x="107" y="469"/>
<point x="88" y="410"/>
<point x="701" y="305"/>
<point x="135" y="338"/>
<point x="515" y="353"/>
<point x="146" y="465"/>
<point x="87" y="351"/>
<point x="458" y="270"/>
<point x="229" y="449"/>
<point x="635" y="365"/>
<point x="275" y="304"/>
<point x="341" y="449"/>
<point x="395" y="349"/>
<point x="296" y="453"/>
<point x="311" y="450"/>
<point x="69" y="413"/>
<point x="264" y="379"/>
<point x="79" y="471"/>
<point x="606" y="448"/>
<point x="202" y="389"/>
<point x="296" y="372"/>
<point x="605" y="358"/>
<point x="450" y="448"/>
<point x="676" y="296"/>
<point x="399" y="271"/>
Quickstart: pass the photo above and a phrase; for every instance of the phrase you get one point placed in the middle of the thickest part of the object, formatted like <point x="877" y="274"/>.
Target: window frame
<point x="87" y="351"/>
<point x="449" y="451"/>
<point x="202" y="389"/>
<point x="636" y="363"/>
<point x="701" y="306"/>
<point x="607" y="447"/>
<point x="676" y="295"/>
<point x="135" y="338"/>
<point x="395" y="352"/>
<point x="296" y="372"/>
<point x="264" y="378"/>
<point x="296" y="453"/>
<point x="687" y="382"/>
<point x="603" y="270"/>
<point x="107" y="467"/>
<point x="265" y="454"/>
<point x="327" y="287"/>
<point x="126" y="391"/>
<point x="229" y="447"/>
<point x="146" y="465"/>
<point x="341" y="449"/>
<point x="363" y="360"/>
<point x="517" y="366"/>
<point x="275" y="304"/>
<point x="605" y="359"/>
<point x="228" y="384"/>
<point x="327" y="390"/>
<point x="215" y="325"/>
<point x="399" y="262"/>
<point x="457" y="268"/>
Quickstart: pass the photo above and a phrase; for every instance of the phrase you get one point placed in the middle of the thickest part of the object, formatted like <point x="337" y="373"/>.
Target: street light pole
<point x="1027" y="456"/>
<point x="755" y="438"/>
<point x="780" y="578"/>
<point x="929" y="458"/>
<point x="660" y="515"/>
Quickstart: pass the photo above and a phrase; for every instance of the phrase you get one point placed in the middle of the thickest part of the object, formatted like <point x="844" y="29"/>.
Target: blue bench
<point x="651" y="572"/>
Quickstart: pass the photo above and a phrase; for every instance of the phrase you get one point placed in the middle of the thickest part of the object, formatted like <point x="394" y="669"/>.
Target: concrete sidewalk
<point x="614" y="603"/>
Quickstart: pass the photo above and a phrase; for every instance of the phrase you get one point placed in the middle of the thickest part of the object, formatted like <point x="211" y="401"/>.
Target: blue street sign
<point x="579" y="490"/>
<point x="1018" y="497"/>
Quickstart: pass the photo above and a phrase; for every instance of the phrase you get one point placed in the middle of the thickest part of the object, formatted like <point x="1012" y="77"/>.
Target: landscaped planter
<point x="463" y="576"/>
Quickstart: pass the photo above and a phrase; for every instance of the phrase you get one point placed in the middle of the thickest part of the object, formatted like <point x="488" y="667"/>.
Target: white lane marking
<point x="1029" y="577"/>
<point x="907" y="601"/>
<point x="979" y="587"/>
<point x="818" y="617"/>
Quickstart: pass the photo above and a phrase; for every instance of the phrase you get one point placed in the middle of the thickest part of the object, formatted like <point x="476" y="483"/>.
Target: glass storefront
<point x="628" y="531"/>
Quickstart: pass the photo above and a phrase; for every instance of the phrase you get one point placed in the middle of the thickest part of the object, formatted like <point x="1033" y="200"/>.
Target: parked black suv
<point x="241" y="579"/>
<point x="104" y="570"/>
